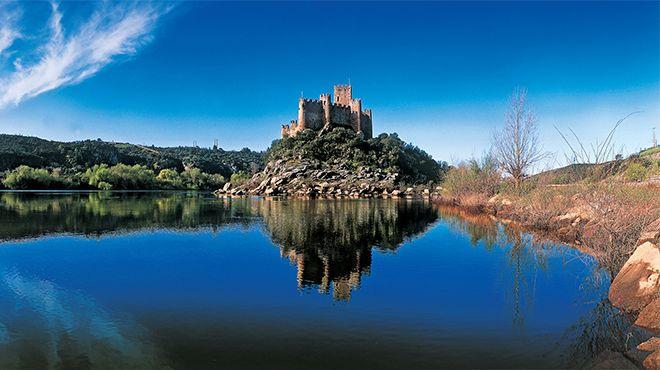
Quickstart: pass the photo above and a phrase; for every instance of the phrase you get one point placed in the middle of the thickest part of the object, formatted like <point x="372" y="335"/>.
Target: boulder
<point x="650" y="345"/>
<point x="652" y="361"/>
<point x="636" y="285"/>
<point x="264" y="183"/>
<point x="227" y="187"/>
<point x="649" y="318"/>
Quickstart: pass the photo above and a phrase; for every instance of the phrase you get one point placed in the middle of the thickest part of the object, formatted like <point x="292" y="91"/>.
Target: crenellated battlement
<point x="343" y="111"/>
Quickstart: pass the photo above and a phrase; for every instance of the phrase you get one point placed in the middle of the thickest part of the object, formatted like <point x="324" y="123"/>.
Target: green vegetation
<point x="239" y="178"/>
<point x="25" y="177"/>
<point x="386" y="152"/>
<point x="118" y="177"/>
<point x="78" y="156"/>
<point x="33" y="163"/>
<point x="636" y="172"/>
<point x="650" y="151"/>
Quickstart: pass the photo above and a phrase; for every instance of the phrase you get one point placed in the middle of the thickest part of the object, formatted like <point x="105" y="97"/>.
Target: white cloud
<point x="70" y="56"/>
<point x="8" y="26"/>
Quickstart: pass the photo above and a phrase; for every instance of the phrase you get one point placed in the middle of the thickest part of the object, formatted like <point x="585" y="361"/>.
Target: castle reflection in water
<point x="329" y="241"/>
<point x="314" y="270"/>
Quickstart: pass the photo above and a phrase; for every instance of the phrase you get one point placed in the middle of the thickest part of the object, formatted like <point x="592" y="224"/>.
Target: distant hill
<point x="16" y="150"/>
<point x="644" y="165"/>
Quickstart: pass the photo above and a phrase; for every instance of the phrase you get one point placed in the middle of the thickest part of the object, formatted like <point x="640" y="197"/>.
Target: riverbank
<point x="618" y="224"/>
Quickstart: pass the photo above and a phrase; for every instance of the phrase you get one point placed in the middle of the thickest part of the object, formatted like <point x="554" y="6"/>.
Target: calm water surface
<point x="186" y="280"/>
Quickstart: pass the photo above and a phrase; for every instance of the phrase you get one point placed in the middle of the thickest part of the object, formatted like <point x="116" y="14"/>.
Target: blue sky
<point x="437" y="73"/>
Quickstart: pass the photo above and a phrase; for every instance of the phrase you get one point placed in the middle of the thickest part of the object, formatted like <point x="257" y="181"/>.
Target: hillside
<point x="643" y="166"/>
<point x="340" y="162"/>
<point x="70" y="157"/>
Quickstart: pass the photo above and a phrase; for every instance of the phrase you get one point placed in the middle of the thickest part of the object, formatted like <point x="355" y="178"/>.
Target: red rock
<point x="637" y="284"/>
<point x="652" y="361"/>
<point x="649" y="318"/>
<point x="650" y="345"/>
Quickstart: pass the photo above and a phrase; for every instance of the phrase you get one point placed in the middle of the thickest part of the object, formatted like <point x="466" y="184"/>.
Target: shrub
<point x="215" y="181"/>
<point x="636" y="172"/>
<point x="194" y="178"/>
<point x="474" y="176"/>
<point x="24" y="177"/>
<point x="239" y="178"/>
<point x="170" y="179"/>
<point x="121" y="177"/>
<point x="104" y="186"/>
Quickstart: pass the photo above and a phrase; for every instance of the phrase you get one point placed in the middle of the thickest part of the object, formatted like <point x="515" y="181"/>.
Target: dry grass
<point x="540" y="207"/>
<point x="619" y="214"/>
<point x="606" y="217"/>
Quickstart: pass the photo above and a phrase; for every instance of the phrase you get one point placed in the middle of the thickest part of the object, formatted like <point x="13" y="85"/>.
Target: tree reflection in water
<point x="603" y="328"/>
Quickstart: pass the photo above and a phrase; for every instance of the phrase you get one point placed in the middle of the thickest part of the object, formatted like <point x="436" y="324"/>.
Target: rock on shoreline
<point x="636" y="289"/>
<point x="334" y="179"/>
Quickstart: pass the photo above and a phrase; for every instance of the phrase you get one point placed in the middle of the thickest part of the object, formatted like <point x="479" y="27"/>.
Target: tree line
<point x="34" y="163"/>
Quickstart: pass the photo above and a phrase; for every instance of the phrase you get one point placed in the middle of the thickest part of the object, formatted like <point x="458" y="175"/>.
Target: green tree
<point x="24" y="177"/>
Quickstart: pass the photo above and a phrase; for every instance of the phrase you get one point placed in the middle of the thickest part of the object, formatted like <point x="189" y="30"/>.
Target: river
<point x="188" y="280"/>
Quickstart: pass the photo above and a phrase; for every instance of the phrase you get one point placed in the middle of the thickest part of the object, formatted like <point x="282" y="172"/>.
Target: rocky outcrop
<point x="652" y="345"/>
<point x="638" y="282"/>
<point x="649" y="317"/>
<point x="652" y="362"/>
<point x="636" y="288"/>
<point x="332" y="179"/>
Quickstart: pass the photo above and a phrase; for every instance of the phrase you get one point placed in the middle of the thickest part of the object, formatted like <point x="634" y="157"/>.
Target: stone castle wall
<point x="344" y="111"/>
<point x="341" y="116"/>
<point x="312" y="114"/>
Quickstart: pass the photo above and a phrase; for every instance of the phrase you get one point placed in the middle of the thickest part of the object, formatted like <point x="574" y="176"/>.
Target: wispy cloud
<point x="9" y="32"/>
<point x="69" y="56"/>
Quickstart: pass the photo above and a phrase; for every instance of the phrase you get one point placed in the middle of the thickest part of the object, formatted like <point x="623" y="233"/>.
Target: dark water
<point x="185" y="280"/>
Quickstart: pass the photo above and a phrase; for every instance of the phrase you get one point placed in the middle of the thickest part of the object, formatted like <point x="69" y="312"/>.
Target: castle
<point x="344" y="111"/>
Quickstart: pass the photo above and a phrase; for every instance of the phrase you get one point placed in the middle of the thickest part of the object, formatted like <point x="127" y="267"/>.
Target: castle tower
<point x="301" y="114"/>
<point x="343" y="94"/>
<point x="325" y="101"/>
<point x="356" y="114"/>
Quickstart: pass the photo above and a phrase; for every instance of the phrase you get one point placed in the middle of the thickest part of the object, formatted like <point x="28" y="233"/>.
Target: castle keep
<point x="343" y="111"/>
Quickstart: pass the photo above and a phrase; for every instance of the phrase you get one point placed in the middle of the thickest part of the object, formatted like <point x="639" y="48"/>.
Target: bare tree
<point x="516" y="147"/>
